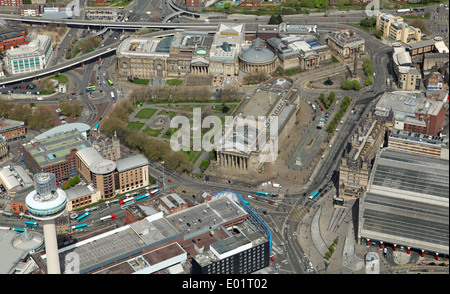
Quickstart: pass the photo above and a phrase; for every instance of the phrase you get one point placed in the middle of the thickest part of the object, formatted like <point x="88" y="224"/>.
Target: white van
<point x="40" y="98"/>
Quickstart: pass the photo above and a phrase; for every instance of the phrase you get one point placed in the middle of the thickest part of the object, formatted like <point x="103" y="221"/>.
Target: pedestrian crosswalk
<point x="182" y="189"/>
<point x="297" y="213"/>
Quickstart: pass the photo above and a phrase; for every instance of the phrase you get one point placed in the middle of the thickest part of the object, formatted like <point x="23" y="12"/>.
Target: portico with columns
<point x="233" y="160"/>
<point x="199" y="66"/>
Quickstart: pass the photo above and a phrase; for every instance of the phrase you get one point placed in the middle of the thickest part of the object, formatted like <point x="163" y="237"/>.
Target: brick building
<point x="112" y="177"/>
<point x="55" y="154"/>
<point x="12" y="129"/>
<point x="412" y="111"/>
<point x="11" y="36"/>
<point x="11" y="3"/>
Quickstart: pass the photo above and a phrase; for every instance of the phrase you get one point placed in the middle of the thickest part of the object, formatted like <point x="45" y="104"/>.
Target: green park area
<point x="146" y="113"/>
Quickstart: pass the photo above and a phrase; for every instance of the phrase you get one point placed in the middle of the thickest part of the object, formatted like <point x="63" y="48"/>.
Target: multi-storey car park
<point x="216" y="236"/>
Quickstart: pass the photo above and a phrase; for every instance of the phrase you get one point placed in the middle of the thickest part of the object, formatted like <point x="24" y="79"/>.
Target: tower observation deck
<point x="46" y="203"/>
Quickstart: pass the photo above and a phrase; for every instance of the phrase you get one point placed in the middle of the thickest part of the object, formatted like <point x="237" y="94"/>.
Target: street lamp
<point x="164" y="182"/>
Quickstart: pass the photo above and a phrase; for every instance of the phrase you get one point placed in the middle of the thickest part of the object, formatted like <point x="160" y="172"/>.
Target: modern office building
<point x="406" y="203"/>
<point x="112" y="177"/>
<point x="394" y="29"/>
<point x="29" y="57"/>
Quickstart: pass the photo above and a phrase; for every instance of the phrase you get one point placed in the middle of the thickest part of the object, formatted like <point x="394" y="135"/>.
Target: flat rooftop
<point x="202" y="217"/>
<point x="53" y="150"/>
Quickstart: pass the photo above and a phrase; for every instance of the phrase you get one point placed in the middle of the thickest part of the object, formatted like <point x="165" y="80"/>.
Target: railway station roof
<point x="407" y="201"/>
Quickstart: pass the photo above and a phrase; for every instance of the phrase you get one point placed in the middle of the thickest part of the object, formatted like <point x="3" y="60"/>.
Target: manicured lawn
<point x="140" y="81"/>
<point x="192" y="155"/>
<point x="134" y="125"/>
<point x="152" y="132"/>
<point x="171" y="114"/>
<point x="174" y="82"/>
<point x="146" y="113"/>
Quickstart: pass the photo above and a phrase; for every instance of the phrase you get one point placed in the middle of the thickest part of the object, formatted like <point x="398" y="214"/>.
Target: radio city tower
<point x="46" y="203"/>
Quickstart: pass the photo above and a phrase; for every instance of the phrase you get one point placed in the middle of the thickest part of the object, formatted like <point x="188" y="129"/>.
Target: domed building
<point x="258" y="59"/>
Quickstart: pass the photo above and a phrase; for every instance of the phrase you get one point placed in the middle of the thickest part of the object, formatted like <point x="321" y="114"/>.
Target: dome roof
<point x="257" y="53"/>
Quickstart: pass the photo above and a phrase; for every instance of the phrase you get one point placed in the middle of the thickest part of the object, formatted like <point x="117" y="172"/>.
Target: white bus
<point x="405" y="10"/>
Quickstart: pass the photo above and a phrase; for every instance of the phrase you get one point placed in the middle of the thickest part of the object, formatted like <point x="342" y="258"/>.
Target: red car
<point x="325" y="15"/>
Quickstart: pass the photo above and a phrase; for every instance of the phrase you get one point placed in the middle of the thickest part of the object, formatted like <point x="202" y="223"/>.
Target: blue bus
<point x="96" y="129"/>
<point x="79" y="227"/>
<point x="17" y="230"/>
<point x="263" y="193"/>
<point x="83" y="216"/>
<point x="33" y="225"/>
<point x="142" y="197"/>
<point x="246" y="202"/>
<point x="313" y="195"/>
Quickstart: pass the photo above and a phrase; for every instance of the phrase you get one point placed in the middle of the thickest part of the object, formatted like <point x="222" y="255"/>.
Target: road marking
<point x="189" y="190"/>
<point x="297" y="213"/>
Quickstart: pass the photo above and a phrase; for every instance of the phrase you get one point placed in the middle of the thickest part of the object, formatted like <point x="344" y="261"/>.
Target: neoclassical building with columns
<point x="257" y="59"/>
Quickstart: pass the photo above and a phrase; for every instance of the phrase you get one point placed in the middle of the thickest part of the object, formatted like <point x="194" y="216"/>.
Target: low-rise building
<point x="302" y="51"/>
<point x="11" y="36"/>
<point x="14" y="178"/>
<point x="11" y="3"/>
<point x="81" y="195"/>
<point x="412" y="111"/>
<point x="346" y="43"/>
<point x="434" y="81"/>
<point x="408" y="76"/>
<point x="418" y="143"/>
<point x="12" y="129"/>
<point x="55" y="154"/>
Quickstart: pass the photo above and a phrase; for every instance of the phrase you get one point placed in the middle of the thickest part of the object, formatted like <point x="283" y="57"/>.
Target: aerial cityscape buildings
<point x="224" y="138"/>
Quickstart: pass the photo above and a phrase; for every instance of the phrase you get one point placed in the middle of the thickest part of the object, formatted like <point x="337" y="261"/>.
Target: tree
<point x="307" y="3"/>
<point x="356" y="85"/>
<point x="347" y="85"/>
<point x="331" y="96"/>
<point x="20" y="111"/>
<point x="379" y="34"/>
<point x="369" y="80"/>
<point x="204" y="164"/>
<point x="420" y="24"/>
<point x="42" y="117"/>
<point x="275" y="19"/>
<point x="46" y="87"/>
